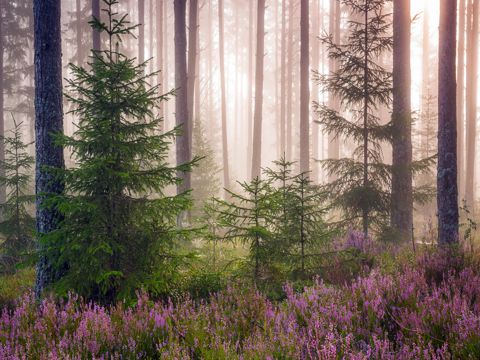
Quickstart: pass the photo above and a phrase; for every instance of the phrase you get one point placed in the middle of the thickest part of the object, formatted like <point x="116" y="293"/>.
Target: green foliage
<point x="17" y="225"/>
<point x="362" y="183"/>
<point x="119" y="227"/>
<point x="14" y="286"/>
<point x="205" y="180"/>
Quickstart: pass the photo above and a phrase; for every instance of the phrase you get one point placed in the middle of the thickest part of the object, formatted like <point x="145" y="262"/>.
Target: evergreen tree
<point x="205" y="176"/>
<point x="246" y="217"/>
<point x="119" y="225"/>
<point x="362" y="183"/>
<point x="18" y="225"/>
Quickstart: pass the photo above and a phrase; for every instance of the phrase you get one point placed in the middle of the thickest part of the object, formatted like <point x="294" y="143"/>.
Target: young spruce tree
<point x="18" y="225"/>
<point x="119" y="224"/>
<point x="362" y="183"/>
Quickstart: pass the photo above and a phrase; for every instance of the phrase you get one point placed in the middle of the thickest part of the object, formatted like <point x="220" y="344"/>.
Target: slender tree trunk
<point x="221" y="44"/>
<point x="447" y="195"/>
<point x="48" y="120"/>
<point x="150" y="32"/>
<point x="402" y="200"/>
<point x="96" y="45"/>
<point x="257" y="116"/>
<point x="3" y="189"/>
<point x="289" y="81"/>
<point x="250" y="82"/>
<point x="160" y="57"/>
<point x="181" y="107"/>
<point x="315" y="66"/>
<point x="304" y="87"/>
<point x="334" y="30"/>
<point x="471" y="100"/>
<point x="80" y="55"/>
<point x="141" y="31"/>
<point x="192" y="60"/>
<point x="283" y="83"/>
<point x="165" y="70"/>
<point x="461" y="99"/>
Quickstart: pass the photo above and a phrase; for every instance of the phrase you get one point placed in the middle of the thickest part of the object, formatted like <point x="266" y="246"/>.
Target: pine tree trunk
<point x="447" y="200"/>
<point x="160" y="57"/>
<point x="181" y="109"/>
<point x="250" y="82"/>
<point x="402" y="201"/>
<point x="96" y="34"/>
<point x="257" y="116"/>
<point x="315" y="66"/>
<point x="165" y="70"/>
<point x="304" y="87"/>
<point x="78" y="9"/>
<point x="471" y="100"/>
<point x="141" y="31"/>
<point x="226" y="174"/>
<point x="461" y="100"/>
<point x="289" y="84"/>
<point x="334" y="30"/>
<point x="283" y="84"/>
<point x="48" y="120"/>
<point x="192" y="60"/>
<point x="150" y="32"/>
<point x="3" y="190"/>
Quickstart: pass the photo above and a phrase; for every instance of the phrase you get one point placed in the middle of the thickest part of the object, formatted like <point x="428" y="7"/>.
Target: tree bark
<point x="447" y="201"/>
<point x="461" y="99"/>
<point x="96" y="45"/>
<point x="181" y="109"/>
<point x="402" y="200"/>
<point x="192" y="59"/>
<point x="334" y="30"/>
<point x="257" y="116"/>
<point x="80" y="55"/>
<point x="304" y="87"/>
<point x="289" y="84"/>
<point x="226" y="174"/>
<point x="471" y="101"/>
<point x="48" y="120"/>
<point x="141" y="31"/>
<point x="283" y="84"/>
<point x="250" y="82"/>
<point x="315" y="66"/>
<point x="160" y="57"/>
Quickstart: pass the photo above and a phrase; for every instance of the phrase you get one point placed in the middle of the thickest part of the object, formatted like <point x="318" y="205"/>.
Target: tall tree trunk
<point x="447" y="195"/>
<point x="3" y="189"/>
<point x="334" y="30"/>
<point x="402" y="201"/>
<point x="461" y="99"/>
<point x="289" y="84"/>
<point x="160" y="57"/>
<point x="48" y="120"/>
<point x="192" y="59"/>
<point x="250" y="82"/>
<point x="221" y="44"/>
<point x="141" y="31"/>
<point x="315" y="66"/>
<point x="283" y="84"/>
<point x="166" y="51"/>
<point x="304" y="87"/>
<point x="471" y="100"/>
<point x="181" y="108"/>
<point x="257" y="116"/>
<point x="78" y="10"/>
<point x="96" y="45"/>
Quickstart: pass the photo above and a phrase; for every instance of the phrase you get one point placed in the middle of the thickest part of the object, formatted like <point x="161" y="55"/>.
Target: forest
<point x="239" y="179"/>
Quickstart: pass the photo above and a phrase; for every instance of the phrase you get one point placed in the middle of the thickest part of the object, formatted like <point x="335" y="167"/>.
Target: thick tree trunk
<point x="141" y="31"/>
<point x="226" y="174"/>
<point x="96" y="34"/>
<point x="304" y="87"/>
<point x="181" y="108"/>
<point x="402" y="201"/>
<point x="447" y="194"/>
<point x="257" y="116"/>
<point x="461" y="99"/>
<point x="471" y="100"/>
<point x="192" y="60"/>
<point x="48" y="120"/>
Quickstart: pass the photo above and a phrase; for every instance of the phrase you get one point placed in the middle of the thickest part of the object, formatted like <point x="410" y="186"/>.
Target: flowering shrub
<point x="376" y="317"/>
